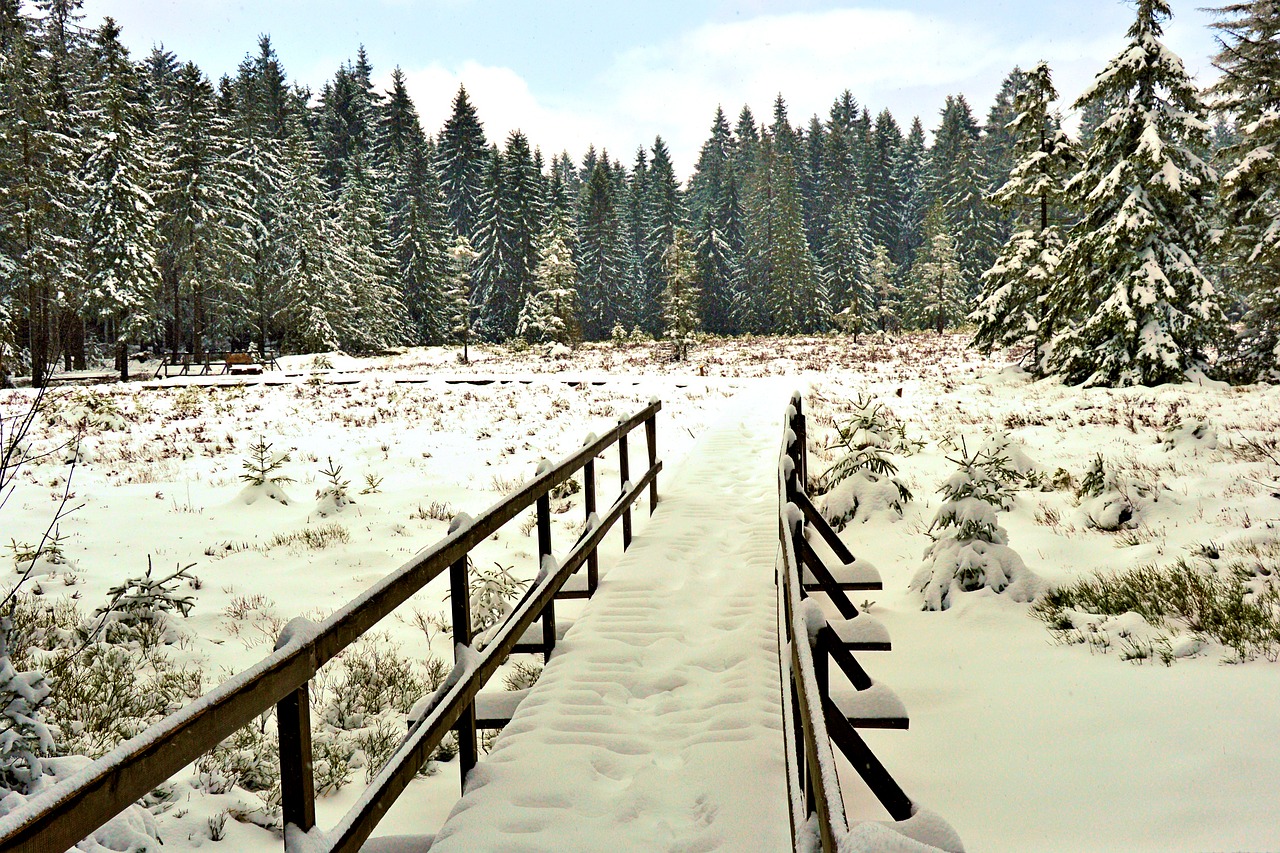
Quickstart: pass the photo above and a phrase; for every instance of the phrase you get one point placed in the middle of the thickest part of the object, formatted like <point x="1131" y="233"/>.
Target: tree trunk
<point x="122" y="360"/>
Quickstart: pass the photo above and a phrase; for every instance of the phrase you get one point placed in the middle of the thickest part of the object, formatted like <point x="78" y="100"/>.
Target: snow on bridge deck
<point x="657" y="724"/>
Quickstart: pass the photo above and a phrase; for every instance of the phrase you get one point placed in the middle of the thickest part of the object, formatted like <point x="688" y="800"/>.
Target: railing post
<point x="624" y="474"/>
<point x="460" y="605"/>
<point x="544" y="551"/>
<point x="589" y="503"/>
<point x="651" y="439"/>
<point x="297" y="785"/>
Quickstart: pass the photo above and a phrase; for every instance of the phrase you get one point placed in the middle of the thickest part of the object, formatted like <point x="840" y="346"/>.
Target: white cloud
<point x="902" y="60"/>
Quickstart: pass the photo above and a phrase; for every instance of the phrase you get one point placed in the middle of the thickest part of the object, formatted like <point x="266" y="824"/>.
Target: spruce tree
<point x="315" y="274"/>
<point x="1143" y="191"/>
<point x="375" y="317"/>
<point x="604" y="257"/>
<point x="203" y="204"/>
<point x="680" y="298"/>
<point x="884" y="288"/>
<point x="550" y="313"/>
<point x="119" y="218"/>
<point x="936" y="293"/>
<point x="911" y="184"/>
<point x="1013" y="310"/>
<point x="464" y="158"/>
<point x="462" y="259"/>
<point x="1249" y="89"/>
<point x="663" y="213"/>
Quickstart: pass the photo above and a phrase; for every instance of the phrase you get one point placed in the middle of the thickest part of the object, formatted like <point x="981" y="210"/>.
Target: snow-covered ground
<point x="1021" y="740"/>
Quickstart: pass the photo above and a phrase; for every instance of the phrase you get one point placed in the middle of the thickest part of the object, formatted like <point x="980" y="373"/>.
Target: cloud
<point x="504" y="103"/>
<point x="897" y="59"/>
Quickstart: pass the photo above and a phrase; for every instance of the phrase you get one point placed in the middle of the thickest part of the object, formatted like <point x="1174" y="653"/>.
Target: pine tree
<point x="314" y="271"/>
<point x="119" y="218"/>
<point x="882" y="198"/>
<point x="604" y="257"/>
<point x="884" y="288"/>
<point x="663" y="213"/>
<point x="1135" y="253"/>
<point x="936" y="292"/>
<point x="507" y="239"/>
<point x="781" y="274"/>
<point x="420" y="243"/>
<point x="1013" y="307"/>
<point x="550" y="314"/>
<point x="911" y="184"/>
<point x="203" y="203"/>
<point x="681" y="297"/>
<point x="1249" y="35"/>
<point x="375" y="317"/>
<point x="464" y="158"/>
<point x="462" y="258"/>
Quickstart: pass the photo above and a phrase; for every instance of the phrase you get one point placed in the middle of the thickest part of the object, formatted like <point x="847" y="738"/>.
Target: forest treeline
<point x="144" y="205"/>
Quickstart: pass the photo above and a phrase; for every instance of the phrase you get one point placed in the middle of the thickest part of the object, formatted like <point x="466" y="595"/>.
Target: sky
<point x="616" y="75"/>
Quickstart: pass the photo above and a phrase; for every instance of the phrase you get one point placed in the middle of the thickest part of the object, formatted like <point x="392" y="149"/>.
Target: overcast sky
<point x="616" y="74"/>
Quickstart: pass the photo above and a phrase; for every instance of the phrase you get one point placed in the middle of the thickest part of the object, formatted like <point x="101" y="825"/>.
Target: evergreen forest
<point x="146" y="206"/>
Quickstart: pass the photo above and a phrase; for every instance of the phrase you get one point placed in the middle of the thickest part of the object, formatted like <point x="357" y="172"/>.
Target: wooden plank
<point x="358" y="824"/>
<point x="887" y="791"/>
<point x="810" y="560"/>
<point x="820" y="524"/>
<point x="297" y="783"/>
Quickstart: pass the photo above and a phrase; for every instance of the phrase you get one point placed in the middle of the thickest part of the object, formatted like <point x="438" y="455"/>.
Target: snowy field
<point x="1110" y="733"/>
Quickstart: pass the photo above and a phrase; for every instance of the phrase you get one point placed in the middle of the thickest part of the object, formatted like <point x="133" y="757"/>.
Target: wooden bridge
<point x="692" y="706"/>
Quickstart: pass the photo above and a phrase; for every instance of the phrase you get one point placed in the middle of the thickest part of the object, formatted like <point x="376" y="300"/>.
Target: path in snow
<point x="657" y="725"/>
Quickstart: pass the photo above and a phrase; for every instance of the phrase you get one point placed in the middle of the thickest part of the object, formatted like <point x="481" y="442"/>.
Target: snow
<point x="664" y="687"/>
<point x="1014" y="737"/>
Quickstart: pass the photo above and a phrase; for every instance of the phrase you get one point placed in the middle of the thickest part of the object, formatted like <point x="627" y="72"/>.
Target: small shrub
<point x="522" y="676"/>
<point x="264" y="465"/>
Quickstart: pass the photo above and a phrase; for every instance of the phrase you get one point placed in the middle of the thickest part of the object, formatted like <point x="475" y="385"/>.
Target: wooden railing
<point x="71" y="810"/>
<point x="813" y="720"/>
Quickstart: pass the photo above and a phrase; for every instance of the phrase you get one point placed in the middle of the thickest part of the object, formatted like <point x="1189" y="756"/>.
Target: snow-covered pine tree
<point x="1013" y="307"/>
<point x="375" y="318"/>
<point x="263" y="105"/>
<point x="970" y="550"/>
<point x="24" y="736"/>
<point x="464" y="158"/>
<point x="38" y="167"/>
<point x="910" y="181"/>
<point x="314" y="272"/>
<point x="842" y="229"/>
<point x="781" y="272"/>
<point x="462" y="259"/>
<point x="1132" y="260"/>
<point x="882" y="202"/>
<point x="420" y="244"/>
<point x="663" y="212"/>
<point x="936" y="290"/>
<point x="883" y="285"/>
<point x="203" y="206"/>
<point x="1249" y="89"/>
<point x="603" y="256"/>
<point x="119" y="219"/>
<point x="681" y="298"/>
<point x="550" y="313"/>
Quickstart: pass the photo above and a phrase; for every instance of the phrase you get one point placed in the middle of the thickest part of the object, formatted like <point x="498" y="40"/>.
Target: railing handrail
<point x="809" y="790"/>
<point x="63" y="815"/>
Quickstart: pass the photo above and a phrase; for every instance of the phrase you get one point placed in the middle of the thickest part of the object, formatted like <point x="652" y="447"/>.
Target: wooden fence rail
<point x="76" y="807"/>
<point x="813" y="721"/>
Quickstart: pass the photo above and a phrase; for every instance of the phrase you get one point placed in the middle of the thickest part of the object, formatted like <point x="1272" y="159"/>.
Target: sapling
<point x="970" y="550"/>
<point x="863" y="478"/>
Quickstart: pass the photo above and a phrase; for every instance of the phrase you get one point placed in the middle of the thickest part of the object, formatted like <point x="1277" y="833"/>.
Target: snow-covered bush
<point x="970" y="550"/>
<point x="1109" y="501"/>
<point x="139" y="610"/>
<point x="87" y="410"/>
<point x="24" y="735"/>
<point x="492" y="593"/>
<point x="861" y="482"/>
